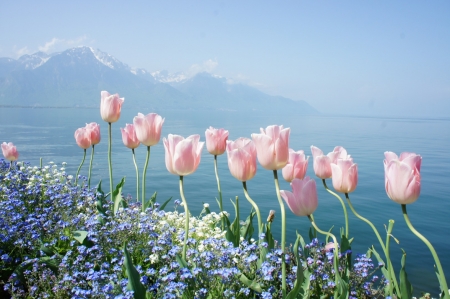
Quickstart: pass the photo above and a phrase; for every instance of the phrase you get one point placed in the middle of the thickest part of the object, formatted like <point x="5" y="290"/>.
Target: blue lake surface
<point x="48" y="133"/>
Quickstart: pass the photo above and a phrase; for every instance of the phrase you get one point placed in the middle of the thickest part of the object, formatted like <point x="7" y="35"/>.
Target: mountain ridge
<point x="75" y="77"/>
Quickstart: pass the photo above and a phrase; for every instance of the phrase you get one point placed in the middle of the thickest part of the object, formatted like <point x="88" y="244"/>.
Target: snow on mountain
<point x="30" y="62"/>
<point x="166" y="77"/>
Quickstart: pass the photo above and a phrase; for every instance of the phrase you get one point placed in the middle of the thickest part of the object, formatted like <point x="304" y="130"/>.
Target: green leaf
<point x="117" y="197"/>
<point x="134" y="279"/>
<point x="406" y="288"/>
<point x="51" y="263"/>
<point x="384" y="270"/>
<point x="250" y="283"/>
<point x="151" y="201"/>
<point x="205" y="210"/>
<point x="161" y="207"/>
<point x="247" y="229"/>
<point x="328" y="236"/>
<point x="299" y="282"/>
<point x="312" y="233"/>
<point x="182" y="262"/>
<point x="46" y="250"/>
<point x="80" y="235"/>
<point x="233" y="229"/>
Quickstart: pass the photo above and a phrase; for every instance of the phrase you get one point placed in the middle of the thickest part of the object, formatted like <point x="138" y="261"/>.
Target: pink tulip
<point x="182" y="155"/>
<point x="344" y="175"/>
<point x="216" y="140"/>
<point x="322" y="163"/>
<point x="110" y="106"/>
<point x="148" y="128"/>
<point x="272" y="147"/>
<point x="83" y="138"/>
<point x="303" y="201"/>
<point x="296" y="167"/>
<point x="94" y="130"/>
<point x="338" y="153"/>
<point x="129" y="137"/>
<point x="402" y="177"/>
<point x="10" y="151"/>
<point x="242" y="158"/>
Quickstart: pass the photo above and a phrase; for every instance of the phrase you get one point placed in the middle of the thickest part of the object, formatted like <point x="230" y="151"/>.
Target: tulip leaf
<point x="117" y="197"/>
<point x="233" y="233"/>
<point x="247" y="229"/>
<point x="80" y="235"/>
<point x="151" y="201"/>
<point x="161" y="207"/>
<point x="299" y="282"/>
<point x="441" y="282"/>
<point x="312" y="234"/>
<point x="384" y="270"/>
<point x="406" y="288"/>
<point x="134" y="279"/>
<point x="250" y="283"/>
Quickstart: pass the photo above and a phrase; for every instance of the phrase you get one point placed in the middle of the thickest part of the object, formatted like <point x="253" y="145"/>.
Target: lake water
<point x="48" y="133"/>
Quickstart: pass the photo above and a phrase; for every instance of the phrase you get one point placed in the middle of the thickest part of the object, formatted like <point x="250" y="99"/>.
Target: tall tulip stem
<point x="255" y="206"/>
<point x="79" y="167"/>
<point x="90" y="167"/>
<point x="219" y="189"/>
<point x="186" y="215"/>
<point x="388" y="261"/>
<point x="343" y="206"/>
<point x="442" y="281"/>
<point x="109" y="159"/>
<point x="143" y="176"/>
<point x="335" y="251"/>
<point x="283" y="234"/>
<point x="137" y="178"/>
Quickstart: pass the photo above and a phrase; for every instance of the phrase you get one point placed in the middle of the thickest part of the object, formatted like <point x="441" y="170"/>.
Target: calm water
<point x="48" y="133"/>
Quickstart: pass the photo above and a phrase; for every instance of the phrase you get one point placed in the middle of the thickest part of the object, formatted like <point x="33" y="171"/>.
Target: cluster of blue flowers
<point x="55" y="244"/>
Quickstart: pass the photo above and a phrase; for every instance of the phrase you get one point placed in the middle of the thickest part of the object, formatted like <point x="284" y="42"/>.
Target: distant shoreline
<point x="57" y="107"/>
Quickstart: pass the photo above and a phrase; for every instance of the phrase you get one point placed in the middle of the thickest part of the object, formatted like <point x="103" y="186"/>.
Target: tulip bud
<point x="216" y="140"/>
<point x="10" y="151"/>
<point x="110" y="106"/>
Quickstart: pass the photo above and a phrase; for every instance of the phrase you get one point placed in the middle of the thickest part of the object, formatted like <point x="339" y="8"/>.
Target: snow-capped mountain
<point x="76" y="76"/>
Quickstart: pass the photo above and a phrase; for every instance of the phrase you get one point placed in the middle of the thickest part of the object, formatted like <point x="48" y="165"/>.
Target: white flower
<point x="206" y="205"/>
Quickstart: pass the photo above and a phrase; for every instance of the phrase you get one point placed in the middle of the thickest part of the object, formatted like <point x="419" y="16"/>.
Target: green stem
<point x="143" y="176"/>
<point x="137" y="179"/>
<point x="443" y="281"/>
<point x="186" y="214"/>
<point x="335" y="251"/>
<point x="388" y="238"/>
<point x="40" y="163"/>
<point x="79" y="167"/>
<point x="283" y="234"/>
<point x="109" y="159"/>
<point x="255" y="206"/>
<point x="219" y="189"/>
<point x="390" y="268"/>
<point x="90" y="167"/>
<point x="343" y="206"/>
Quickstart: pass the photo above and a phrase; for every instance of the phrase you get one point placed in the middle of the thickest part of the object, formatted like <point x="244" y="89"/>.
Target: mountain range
<point x="75" y="77"/>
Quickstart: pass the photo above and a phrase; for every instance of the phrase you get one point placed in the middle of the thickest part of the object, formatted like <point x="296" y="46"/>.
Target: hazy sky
<point x="346" y="57"/>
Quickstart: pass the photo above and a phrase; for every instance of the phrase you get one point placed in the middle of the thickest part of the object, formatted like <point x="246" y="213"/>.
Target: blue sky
<point x="346" y="57"/>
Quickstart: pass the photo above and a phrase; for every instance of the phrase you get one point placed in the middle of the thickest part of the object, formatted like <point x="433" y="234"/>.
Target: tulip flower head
<point x="110" y="106"/>
<point x="344" y="175"/>
<point x="402" y="177"/>
<point x="272" y="147"/>
<point x="148" y="128"/>
<point x="83" y="138"/>
<point x="10" y="151"/>
<point x="216" y="140"/>
<point x="296" y="167"/>
<point x="242" y="158"/>
<point x="94" y="131"/>
<point x="322" y="163"/>
<point x="129" y="137"/>
<point x="303" y="200"/>
<point x="182" y="155"/>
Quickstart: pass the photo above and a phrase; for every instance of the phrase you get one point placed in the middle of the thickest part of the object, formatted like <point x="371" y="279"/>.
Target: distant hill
<point x="75" y="77"/>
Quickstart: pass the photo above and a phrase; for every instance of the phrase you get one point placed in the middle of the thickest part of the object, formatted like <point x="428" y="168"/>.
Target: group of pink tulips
<point x="271" y="148"/>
